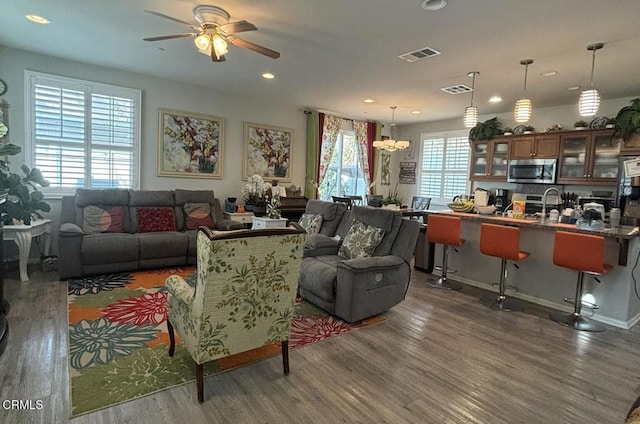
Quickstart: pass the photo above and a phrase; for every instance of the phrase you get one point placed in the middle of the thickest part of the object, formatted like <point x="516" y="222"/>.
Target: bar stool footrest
<point x="512" y="288"/>
<point x="439" y="283"/>
<point x="507" y="304"/>
<point x="439" y="268"/>
<point x="572" y="301"/>
<point x="578" y="323"/>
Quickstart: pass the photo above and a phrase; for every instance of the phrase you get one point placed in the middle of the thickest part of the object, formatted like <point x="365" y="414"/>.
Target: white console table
<point x="260" y="222"/>
<point x="23" y="234"/>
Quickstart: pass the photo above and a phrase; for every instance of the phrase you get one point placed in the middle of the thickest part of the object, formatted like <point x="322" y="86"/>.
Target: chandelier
<point x="392" y="144"/>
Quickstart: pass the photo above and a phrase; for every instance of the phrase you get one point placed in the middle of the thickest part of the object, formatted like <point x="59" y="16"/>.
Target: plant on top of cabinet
<point x="580" y="124"/>
<point x="628" y="120"/>
<point x="528" y="129"/>
<point x="485" y="130"/>
<point x="508" y="131"/>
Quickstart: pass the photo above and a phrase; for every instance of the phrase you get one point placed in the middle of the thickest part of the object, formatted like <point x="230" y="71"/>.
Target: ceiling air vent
<point x="457" y="89"/>
<point x="419" y="54"/>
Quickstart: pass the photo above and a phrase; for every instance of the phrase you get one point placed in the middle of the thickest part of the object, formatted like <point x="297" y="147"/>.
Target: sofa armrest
<point x="179" y="288"/>
<point x="320" y="245"/>
<point x="229" y="225"/>
<point x="69" y="229"/>
<point x="372" y="263"/>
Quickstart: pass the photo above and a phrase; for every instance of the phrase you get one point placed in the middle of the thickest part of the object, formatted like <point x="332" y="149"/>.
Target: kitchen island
<point x="539" y="281"/>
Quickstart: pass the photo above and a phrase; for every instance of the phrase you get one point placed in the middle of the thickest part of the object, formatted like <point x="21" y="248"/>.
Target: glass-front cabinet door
<point x="479" y="156"/>
<point x="605" y="157"/>
<point x="499" y="158"/>
<point x="573" y="158"/>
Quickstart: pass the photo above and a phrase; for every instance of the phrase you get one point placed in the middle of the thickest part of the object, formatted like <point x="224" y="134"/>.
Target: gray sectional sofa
<point x="115" y="230"/>
<point x="361" y="287"/>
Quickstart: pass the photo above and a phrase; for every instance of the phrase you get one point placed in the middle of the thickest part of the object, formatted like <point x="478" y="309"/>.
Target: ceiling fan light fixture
<point x="523" y="108"/>
<point x="433" y="4"/>
<point x="202" y="41"/>
<point x="589" y="102"/>
<point x="219" y="45"/>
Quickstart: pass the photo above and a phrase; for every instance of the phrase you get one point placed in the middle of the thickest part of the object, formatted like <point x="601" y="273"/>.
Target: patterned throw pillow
<point x="155" y="219"/>
<point x="198" y="214"/>
<point x="361" y="240"/>
<point x="103" y="219"/>
<point x="311" y="223"/>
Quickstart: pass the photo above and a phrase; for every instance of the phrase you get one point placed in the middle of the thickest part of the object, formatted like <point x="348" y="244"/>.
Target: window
<point x="344" y="176"/>
<point x="445" y="166"/>
<point x="81" y="133"/>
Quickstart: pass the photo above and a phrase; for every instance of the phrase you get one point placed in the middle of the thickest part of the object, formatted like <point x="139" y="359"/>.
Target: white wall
<point x="541" y="119"/>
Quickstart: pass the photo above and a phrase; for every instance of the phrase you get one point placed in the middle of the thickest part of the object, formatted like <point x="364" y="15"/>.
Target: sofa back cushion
<point x="104" y="199"/>
<point x="183" y="197"/>
<point x="331" y="214"/>
<point x="386" y="219"/>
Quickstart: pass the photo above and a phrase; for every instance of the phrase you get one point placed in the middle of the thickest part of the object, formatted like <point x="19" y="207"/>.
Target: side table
<point x="22" y="235"/>
<point x="260" y="222"/>
<point x="242" y="217"/>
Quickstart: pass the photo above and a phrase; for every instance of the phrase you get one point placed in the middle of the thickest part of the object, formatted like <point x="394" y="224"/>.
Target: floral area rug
<point x="118" y="339"/>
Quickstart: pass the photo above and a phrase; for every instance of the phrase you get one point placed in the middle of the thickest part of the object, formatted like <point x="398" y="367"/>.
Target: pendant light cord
<point x="473" y="87"/>
<point x="526" y="70"/>
<point x="593" y="66"/>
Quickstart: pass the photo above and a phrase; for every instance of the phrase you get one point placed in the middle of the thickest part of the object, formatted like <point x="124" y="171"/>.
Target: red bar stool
<point x="446" y="231"/>
<point x="585" y="254"/>
<point x="502" y="242"/>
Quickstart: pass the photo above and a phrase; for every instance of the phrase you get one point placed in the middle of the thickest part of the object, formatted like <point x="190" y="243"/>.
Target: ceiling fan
<point x="213" y="31"/>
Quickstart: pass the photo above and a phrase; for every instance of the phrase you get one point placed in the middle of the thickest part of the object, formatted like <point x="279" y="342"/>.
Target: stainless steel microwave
<point x="533" y="171"/>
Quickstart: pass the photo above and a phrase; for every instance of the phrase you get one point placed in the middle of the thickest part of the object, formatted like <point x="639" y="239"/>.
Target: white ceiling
<point x="335" y="53"/>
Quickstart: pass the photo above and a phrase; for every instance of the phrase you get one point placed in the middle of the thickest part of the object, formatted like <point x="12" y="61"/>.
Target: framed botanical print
<point x="267" y="151"/>
<point x="189" y="144"/>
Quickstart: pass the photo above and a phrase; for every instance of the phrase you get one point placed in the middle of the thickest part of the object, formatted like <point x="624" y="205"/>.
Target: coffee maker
<point x="501" y="199"/>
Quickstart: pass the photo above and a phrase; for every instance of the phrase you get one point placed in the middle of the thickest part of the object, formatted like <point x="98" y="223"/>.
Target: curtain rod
<point x="308" y="112"/>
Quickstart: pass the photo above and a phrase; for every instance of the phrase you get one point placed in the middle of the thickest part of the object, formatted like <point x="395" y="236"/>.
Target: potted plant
<point x="508" y="131"/>
<point x="628" y="120"/>
<point x="254" y="193"/>
<point x="610" y="123"/>
<point x="528" y="129"/>
<point x="393" y="200"/>
<point x="485" y="130"/>
<point x="24" y="200"/>
<point x="580" y="125"/>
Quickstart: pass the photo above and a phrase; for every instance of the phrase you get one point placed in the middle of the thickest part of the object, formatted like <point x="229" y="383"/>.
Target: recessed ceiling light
<point x="495" y="99"/>
<point x="416" y="112"/>
<point x="268" y="75"/>
<point x="38" y="19"/>
<point x="549" y="74"/>
<point x="433" y="4"/>
<point x="368" y="100"/>
<point x="574" y="88"/>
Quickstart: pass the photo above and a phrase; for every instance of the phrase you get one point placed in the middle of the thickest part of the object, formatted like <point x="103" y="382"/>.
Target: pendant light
<point x="392" y="144"/>
<point x="471" y="112"/>
<point x="590" y="99"/>
<point x="523" y="109"/>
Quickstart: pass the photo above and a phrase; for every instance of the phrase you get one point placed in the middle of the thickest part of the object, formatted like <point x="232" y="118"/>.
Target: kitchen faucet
<point x="544" y="201"/>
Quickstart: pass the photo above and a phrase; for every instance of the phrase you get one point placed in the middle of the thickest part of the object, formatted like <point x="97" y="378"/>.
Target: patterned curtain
<point x="360" y="128"/>
<point x="330" y="130"/>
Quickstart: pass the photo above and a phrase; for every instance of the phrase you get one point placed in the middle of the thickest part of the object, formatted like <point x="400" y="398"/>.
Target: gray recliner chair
<point x="358" y="288"/>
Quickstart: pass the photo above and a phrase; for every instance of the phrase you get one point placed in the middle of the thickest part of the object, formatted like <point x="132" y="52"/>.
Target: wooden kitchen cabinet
<point x="589" y="158"/>
<point x="489" y="159"/>
<point x="542" y="146"/>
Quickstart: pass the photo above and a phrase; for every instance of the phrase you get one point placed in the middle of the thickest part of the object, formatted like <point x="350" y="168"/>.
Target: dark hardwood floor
<point x="440" y="357"/>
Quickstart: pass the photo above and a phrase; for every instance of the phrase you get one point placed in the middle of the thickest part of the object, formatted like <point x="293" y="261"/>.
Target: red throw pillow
<point x="155" y="219"/>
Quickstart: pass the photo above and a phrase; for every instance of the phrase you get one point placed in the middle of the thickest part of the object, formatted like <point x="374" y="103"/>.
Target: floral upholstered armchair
<point x="243" y="297"/>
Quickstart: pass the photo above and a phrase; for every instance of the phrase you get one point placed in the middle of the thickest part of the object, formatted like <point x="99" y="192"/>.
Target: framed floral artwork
<point x="189" y="144"/>
<point x="385" y="169"/>
<point x="267" y="151"/>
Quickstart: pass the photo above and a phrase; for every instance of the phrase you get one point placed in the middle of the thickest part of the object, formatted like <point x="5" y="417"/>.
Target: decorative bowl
<point x="461" y="207"/>
<point x="486" y="210"/>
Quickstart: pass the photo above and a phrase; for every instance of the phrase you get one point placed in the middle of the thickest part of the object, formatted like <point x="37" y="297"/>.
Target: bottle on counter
<point x="614" y="217"/>
<point x="554" y="216"/>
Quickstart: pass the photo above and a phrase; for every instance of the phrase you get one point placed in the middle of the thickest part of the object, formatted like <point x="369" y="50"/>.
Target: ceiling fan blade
<point x="169" y="37"/>
<point x="239" y="26"/>
<point x="255" y="47"/>
<point x="172" y="19"/>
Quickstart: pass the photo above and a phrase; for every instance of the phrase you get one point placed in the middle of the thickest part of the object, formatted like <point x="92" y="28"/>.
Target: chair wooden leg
<point x="172" y="338"/>
<point x="285" y="356"/>
<point x="200" y="382"/>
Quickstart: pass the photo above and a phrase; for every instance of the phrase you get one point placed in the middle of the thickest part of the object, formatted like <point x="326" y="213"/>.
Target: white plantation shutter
<point x="445" y="167"/>
<point x="83" y="134"/>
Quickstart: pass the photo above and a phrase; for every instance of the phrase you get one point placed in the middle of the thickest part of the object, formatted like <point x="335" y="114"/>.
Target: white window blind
<point x="445" y="167"/>
<point x="83" y="134"/>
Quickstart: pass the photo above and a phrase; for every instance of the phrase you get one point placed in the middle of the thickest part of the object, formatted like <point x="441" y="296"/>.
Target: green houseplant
<point x="24" y="199"/>
<point x="392" y="198"/>
<point x="485" y="130"/>
<point x="581" y="124"/>
<point x="628" y="120"/>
